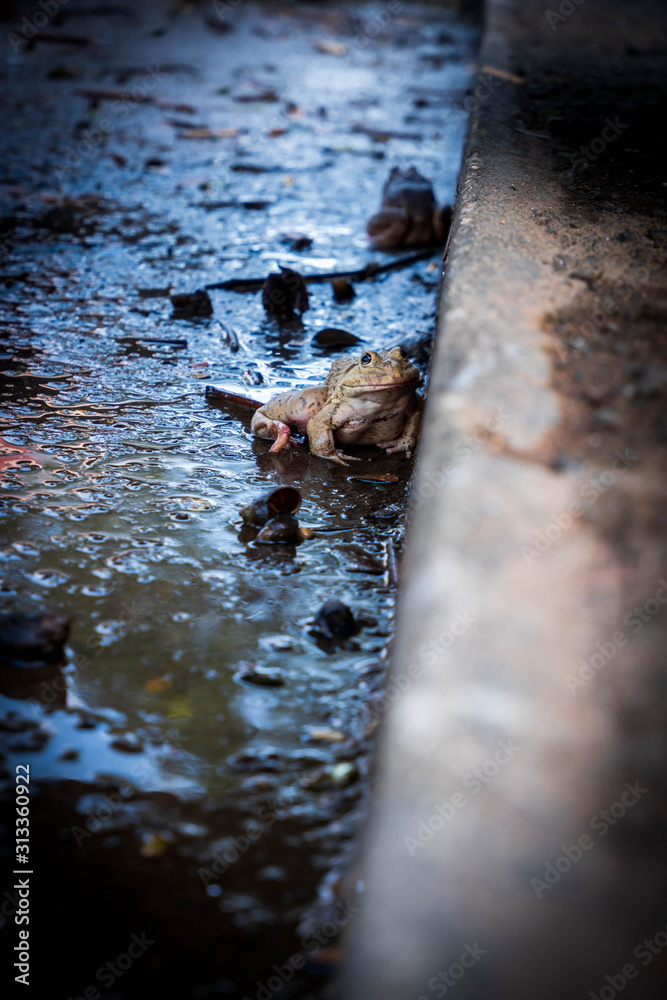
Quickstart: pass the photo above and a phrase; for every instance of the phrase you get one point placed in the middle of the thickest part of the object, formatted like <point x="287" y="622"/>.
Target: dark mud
<point x="154" y="151"/>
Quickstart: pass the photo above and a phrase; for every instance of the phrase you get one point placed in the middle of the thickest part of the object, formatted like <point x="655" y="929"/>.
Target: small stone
<point x="332" y="337"/>
<point x="86" y="722"/>
<point x="297" y="241"/>
<point x="344" y="773"/>
<point x="279" y="643"/>
<point x="127" y="744"/>
<point x="335" y="620"/>
<point x="343" y="290"/>
<point x="282" y="500"/>
<point x="280" y="530"/>
<point x="263" y="676"/>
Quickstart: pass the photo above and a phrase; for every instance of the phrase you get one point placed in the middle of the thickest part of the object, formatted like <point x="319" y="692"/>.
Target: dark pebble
<point x="263" y="676"/>
<point x="335" y="620"/>
<point x="343" y="290"/>
<point x="280" y="530"/>
<point x="191" y="304"/>
<point x="127" y="744"/>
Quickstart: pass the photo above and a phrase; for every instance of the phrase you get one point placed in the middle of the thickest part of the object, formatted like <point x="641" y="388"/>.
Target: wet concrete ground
<point x="160" y="148"/>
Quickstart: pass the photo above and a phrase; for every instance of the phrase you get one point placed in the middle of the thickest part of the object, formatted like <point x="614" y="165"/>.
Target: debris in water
<point x="316" y="735"/>
<point x="335" y="620"/>
<point x="282" y="500"/>
<point x="33" y="639"/>
<point x="229" y="338"/>
<point x="332" y="337"/>
<point x="263" y="676"/>
<point x="370" y="270"/>
<point x="297" y="241"/>
<point x="188" y="304"/>
<point x="331" y="48"/>
<point x="127" y="744"/>
<point x="154" y="846"/>
<point x="255" y="92"/>
<point x="218" y="24"/>
<point x="384" y="477"/>
<point x="343" y="290"/>
<point x="384" y="135"/>
<point x="156" y="685"/>
<point x="284" y="293"/>
<point x="280" y="530"/>
<point x="209" y="133"/>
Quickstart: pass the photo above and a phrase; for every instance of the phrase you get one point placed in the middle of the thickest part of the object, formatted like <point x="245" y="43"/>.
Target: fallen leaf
<point x="326" y="736"/>
<point x="156" y="685"/>
<point x="331" y="48"/>
<point x="153" y="847"/>
<point x="209" y="133"/>
<point x="502" y="74"/>
<point x="253" y="94"/>
<point x="180" y="709"/>
<point x="386" y="477"/>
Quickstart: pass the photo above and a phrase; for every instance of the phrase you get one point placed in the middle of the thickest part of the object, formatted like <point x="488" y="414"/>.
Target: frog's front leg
<point x="320" y="432"/>
<point x="287" y="409"/>
<point x="407" y="440"/>
<point x="263" y="426"/>
<point x="388" y="227"/>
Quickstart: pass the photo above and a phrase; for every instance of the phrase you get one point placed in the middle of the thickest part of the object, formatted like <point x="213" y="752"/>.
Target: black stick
<point x="362" y="274"/>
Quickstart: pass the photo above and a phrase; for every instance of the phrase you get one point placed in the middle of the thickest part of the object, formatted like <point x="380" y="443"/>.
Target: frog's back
<point x="296" y="408"/>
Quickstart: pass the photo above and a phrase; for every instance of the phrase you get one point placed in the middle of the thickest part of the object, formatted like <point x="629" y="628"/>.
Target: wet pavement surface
<point x="159" y="149"/>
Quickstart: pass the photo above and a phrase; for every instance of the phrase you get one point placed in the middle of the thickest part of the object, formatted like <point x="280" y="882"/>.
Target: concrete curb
<point x="513" y="849"/>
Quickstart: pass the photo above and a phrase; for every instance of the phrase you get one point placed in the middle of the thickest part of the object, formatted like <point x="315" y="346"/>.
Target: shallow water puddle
<point x="120" y="486"/>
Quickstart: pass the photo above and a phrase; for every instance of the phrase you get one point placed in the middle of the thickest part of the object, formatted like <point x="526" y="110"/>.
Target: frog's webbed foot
<point x="400" y="444"/>
<point x="340" y="458"/>
<point x="284" y="440"/>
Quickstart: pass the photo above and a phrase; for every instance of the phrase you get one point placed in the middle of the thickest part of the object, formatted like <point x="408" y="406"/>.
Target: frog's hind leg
<point x="262" y="426"/>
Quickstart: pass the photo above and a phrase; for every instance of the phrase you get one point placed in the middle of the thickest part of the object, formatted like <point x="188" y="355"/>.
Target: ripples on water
<point x="120" y="486"/>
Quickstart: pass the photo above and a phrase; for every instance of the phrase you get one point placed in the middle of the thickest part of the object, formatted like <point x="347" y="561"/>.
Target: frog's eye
<point x="402" y="351"/>
<point x="366" y="358"/>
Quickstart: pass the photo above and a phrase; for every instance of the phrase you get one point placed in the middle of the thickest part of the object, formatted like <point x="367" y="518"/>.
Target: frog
<point x="409" y="214"/>
<point x="367" y="400"/>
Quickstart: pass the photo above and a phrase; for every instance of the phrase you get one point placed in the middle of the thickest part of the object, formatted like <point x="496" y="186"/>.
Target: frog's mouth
<point x="394" y="384"/>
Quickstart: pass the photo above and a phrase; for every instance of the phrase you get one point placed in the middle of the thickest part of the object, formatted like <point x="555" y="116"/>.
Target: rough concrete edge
<point x="491" y="390"/>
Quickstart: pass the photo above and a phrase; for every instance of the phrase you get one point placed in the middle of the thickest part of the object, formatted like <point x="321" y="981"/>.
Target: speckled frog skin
<point x="409" y="214"/>
<point x="370" y="400"/>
